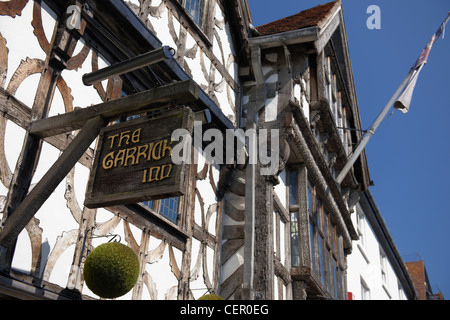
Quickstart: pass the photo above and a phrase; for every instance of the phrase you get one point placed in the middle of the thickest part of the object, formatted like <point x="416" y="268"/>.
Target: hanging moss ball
<point x="211" y="297"/>
<point x="111" y="270"/>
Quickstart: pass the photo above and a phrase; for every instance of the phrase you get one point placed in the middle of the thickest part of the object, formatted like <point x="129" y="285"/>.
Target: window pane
<point x="335" y="280"/>
<point x="365" y="291"/>
<point x="295" y="244"/>
<point x="334" y="238"/>
<point x="318" y="212"/>
<point x="293" y="188"/>
<point x="325" y="222"/>
<point x="312" y="236"/>
<point x="148" y="204"/>
<point x="169" y="208"/>
<point x="329" y="272"/>
<point x="321" y="260"/>
<point x="195" y="9"/>
<point x="310" y="198"/>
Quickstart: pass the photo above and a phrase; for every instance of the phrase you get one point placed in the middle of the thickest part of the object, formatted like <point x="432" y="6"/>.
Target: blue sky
<point x="409" y="155"/>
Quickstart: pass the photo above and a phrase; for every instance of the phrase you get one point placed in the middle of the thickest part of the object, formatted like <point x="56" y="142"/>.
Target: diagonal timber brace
<point x="44" y="188"/>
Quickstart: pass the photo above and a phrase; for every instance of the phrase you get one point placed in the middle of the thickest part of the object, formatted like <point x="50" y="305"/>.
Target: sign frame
<point x="133" y="163"/>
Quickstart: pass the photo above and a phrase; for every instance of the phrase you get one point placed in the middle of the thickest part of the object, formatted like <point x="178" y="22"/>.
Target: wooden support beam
<point x="59" y="49"/>
<point x="44" y="188"/>
<point x="179" y="92"/>
<point x="16" y="111"/>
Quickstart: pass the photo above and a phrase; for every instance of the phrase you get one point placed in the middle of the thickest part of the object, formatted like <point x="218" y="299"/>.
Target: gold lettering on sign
<point x="136" y="136"/>
<point x="112" y="138"/>
<point x="167" y="169"/>
<point x="120" y="157"/>
<point x="133" y="160"/>
<point x="125" y="137"/>
<point x="156" y="154"/>
<point x="167" y="148"/>
<point x="129" y="153"/>
<point x="108" y="161"/>
<point x="157" y="173"/>
<point x="142" y="152"/>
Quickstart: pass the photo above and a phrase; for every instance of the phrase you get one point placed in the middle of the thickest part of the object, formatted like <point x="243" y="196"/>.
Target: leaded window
<point x="325" y="242"/>
<point x="199" y="11"/>
<point x="195" y="8"/>
<point x="168" y="208"/>
<point x="336" y="97"/>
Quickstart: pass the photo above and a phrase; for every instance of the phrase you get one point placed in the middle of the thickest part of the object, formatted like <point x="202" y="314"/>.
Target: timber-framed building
<point x="236" y="231"/>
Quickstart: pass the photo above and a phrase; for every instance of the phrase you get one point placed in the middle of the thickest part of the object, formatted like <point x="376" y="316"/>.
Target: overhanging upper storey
<point x="314" y="43"/>
<point x="115" y="32"/>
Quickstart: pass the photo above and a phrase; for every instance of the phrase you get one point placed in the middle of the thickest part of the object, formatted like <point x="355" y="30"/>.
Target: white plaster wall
<point x="280" y="189"/>
<point x="202" y="255"/>
<point x="54" y="216"/>
<point x="300" y="97"/>
<point x="201" y="66"/>
<point x="21" y="42"/>
<point x="364" y="263"/>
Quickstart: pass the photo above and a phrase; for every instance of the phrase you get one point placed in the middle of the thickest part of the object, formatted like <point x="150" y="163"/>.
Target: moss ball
<point x="111" y="270"/>
<point x="211" y="297"/>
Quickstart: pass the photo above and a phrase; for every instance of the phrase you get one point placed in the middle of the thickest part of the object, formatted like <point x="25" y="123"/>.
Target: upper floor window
<point x="336" y="98"/>
<point x="401" y="292"/>
<point x="195" y="8"/>
<point x="365" y="291"/>
<point x="325" y="242"/>
<point x="200" y="15"/>
<point x="168" y="208"/>
<point x="197" y="11"/>
<point x="383" y="262"/>
<point x="360" y="226"/>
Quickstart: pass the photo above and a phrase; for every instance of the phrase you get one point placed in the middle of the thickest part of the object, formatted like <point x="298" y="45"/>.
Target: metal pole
<point x="372" y="129"/>
<point x="382" y="115"/>
<point x="129" y="65"/>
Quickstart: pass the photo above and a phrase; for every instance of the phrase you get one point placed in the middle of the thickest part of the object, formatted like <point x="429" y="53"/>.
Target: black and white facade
<point x="269" y="222"/>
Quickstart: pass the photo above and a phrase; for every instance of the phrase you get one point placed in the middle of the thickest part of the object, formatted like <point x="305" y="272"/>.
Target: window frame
<point x="365" y="290"/>
<point x="383" y="267"/>
<point x="156" y="206"/>
<point x="327" y="262"/>
<point x="338" y="102"/>
<point x="361" y="227"/>
<point x="199" y="16"/>
<point x="205" y="29"/>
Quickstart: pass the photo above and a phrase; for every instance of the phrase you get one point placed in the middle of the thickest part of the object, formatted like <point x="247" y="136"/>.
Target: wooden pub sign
<point x="133" y="161"/>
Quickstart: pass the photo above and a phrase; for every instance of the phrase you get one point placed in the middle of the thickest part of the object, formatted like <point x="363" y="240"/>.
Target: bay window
<point x="325" y="259"/>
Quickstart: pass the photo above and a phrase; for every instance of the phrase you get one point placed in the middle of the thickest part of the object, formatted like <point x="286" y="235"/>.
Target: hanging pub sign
<point x="133" y="161"/>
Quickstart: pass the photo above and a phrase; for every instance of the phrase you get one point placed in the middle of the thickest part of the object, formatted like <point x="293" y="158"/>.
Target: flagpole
<point x="372" y="129"/>
<point x="409" y="78"/>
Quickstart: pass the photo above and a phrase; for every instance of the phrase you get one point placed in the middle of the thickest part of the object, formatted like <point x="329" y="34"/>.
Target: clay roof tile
<point x="316" y="16"/>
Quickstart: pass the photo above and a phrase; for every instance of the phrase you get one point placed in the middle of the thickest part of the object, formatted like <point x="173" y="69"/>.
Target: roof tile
<point x="316" y="16"/>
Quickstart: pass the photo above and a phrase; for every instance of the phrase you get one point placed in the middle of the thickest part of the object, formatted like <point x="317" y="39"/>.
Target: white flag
<point x="404" y="100"/>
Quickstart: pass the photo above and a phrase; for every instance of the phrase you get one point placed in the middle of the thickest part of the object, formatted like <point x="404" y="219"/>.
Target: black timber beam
<point x="183" y="92"/>
<point x="128" y="36"/>
<point x="45" y="187"/>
